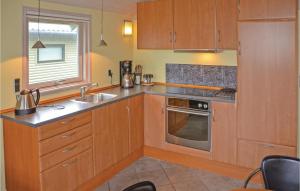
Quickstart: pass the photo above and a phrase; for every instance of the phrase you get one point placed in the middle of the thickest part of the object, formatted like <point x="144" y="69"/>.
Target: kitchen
<point x="195" y="63"/>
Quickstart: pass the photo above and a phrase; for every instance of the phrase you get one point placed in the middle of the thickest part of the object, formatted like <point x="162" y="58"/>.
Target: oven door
<point x="189" y="128"/>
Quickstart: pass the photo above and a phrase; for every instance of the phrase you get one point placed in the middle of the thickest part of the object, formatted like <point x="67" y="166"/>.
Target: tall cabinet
<point x="267" y="80"/>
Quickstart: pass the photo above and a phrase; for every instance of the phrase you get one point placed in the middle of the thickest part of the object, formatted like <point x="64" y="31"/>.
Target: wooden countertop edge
<point x="60" y="98"/>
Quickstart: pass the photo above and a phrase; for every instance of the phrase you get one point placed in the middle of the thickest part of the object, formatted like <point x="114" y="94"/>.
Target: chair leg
<point x="251" y="176"/>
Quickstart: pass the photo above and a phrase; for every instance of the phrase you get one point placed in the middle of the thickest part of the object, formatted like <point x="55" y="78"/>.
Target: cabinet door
<point x="194" y="24"/>
<point x="154" y="120"/>
<point x="155" y="24"/>
<point x="119" y="115"/>
<point x="70" y="174"/>
<point x="227" y="24"/>
<point x="267" y="84"/>
<point x="250" y="154"/>
<point x="267" y="9"/>
<point x="136" y="130"/>
<point x="103" y="139"/>
<point x="224" y="138"/>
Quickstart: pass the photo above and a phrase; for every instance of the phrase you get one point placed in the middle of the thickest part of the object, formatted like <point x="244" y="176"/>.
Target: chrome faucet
<point x="84" y="89"/>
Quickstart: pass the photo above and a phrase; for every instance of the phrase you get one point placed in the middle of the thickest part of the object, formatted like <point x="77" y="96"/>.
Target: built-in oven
<point x="189" y="123"/>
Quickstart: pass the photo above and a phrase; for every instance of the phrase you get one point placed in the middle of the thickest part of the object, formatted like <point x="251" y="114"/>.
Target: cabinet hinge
<point x="239" y="6"/>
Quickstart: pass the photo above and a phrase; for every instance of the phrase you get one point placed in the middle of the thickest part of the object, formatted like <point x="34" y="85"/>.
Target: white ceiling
<point x="127" y="7"/>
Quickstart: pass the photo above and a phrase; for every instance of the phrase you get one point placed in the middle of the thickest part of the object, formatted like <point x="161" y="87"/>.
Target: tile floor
<point x="170" y="177"/>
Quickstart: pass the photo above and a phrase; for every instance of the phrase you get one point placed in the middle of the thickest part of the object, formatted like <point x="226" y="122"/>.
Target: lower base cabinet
<point x="68" y="175"/>
<point x="251" y="153"/>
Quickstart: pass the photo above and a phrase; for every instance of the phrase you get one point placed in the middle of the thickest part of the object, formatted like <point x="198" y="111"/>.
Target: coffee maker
<point x="125" y="67"/>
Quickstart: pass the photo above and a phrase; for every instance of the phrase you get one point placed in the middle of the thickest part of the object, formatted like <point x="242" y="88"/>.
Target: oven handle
<point x="189" y="111"/>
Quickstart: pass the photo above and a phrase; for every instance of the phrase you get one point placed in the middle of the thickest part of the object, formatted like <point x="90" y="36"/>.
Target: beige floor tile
<point x="158" y="177"/>
<point x="165" y="188"/>
<point x="103" y="187"/>
<point x="147" y="164"/>
<point x="120" y="182"/>
<point x="190" y="186"/>
<point x="181" y="174"/>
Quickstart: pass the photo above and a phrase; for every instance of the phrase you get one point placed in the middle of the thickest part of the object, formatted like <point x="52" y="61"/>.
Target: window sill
<point x="63" y="87"/>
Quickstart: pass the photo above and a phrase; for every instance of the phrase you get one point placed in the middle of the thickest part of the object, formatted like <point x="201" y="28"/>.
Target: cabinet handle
<point x="239" y="49"/>
<point x="69" y="135"/>
<point x="68" y="121"/>
<point x="175" y="37"/>
<point x="171" y="39"/>
<point x="69" y="163"/>
<point x="219" y="36"/>
<point x="162" y="110"/>
<point x="213" y="115"/>
<point x="69" y="149"/>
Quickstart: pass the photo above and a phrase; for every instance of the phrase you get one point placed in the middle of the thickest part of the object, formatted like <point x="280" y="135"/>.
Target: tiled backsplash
<point x="202" y="75"/>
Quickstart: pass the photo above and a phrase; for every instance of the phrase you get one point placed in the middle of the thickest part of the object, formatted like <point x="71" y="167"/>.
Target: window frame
<point x="30" y="14"/>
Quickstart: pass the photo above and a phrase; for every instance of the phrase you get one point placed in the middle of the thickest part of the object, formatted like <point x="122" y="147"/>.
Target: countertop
<point x="46" y="115"/>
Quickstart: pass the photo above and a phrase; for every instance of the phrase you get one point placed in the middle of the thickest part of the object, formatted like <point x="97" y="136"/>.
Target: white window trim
<point x="86" y="70"/>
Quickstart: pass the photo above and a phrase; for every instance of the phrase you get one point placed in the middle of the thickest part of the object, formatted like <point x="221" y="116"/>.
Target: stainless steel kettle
<point x="26" y="103"/>
<point x="128" y="80"/>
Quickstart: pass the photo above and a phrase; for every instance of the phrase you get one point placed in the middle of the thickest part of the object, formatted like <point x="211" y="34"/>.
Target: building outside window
<point x="65" y="60"/>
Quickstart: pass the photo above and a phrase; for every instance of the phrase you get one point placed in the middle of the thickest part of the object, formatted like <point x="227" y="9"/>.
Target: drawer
<point x="70" y="174"/>
<point x="65" y="153"/>
<point x="61" y="140"/>
<point x="250" y="153"/>
<point x="64" y="125"/>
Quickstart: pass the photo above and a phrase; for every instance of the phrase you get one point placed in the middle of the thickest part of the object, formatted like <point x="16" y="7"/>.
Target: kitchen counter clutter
<point x="62" y="109"/>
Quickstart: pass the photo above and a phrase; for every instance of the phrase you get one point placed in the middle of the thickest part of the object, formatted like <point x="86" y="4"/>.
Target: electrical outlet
<point x="110" y="74"/>
<point x="17" y="85"/>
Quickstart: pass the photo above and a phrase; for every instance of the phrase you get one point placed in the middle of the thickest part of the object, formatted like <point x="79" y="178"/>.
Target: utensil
<point x="26" y="103"/>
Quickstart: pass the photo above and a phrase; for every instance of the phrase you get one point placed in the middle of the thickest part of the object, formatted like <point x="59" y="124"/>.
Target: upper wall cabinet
<point x="187" y="24"/>
<point x="227" y="24"/>
<point x="155" y="24"/>
<point x="267" y="9"/>
<point x="194" y="24"/>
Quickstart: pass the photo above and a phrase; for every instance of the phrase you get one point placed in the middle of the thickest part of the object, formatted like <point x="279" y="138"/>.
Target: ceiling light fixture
<point x="39" y="43"/>
<point x="102" y="41"/>
<point x="128" y="28"/>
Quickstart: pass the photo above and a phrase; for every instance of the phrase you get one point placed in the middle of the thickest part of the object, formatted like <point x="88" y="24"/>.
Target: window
<point x="52" y="53"/>
<point x="65" y="60"/>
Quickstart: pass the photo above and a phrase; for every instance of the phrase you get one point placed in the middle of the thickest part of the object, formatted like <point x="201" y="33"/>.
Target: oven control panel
<point x="189" y="104"/>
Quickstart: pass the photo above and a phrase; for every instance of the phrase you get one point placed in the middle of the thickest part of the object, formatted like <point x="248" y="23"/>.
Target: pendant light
<point x="39" y="43"/>
<point x="102" y="41"/>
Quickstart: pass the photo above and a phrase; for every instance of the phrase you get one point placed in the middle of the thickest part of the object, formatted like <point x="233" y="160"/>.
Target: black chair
<point x="280" y="173"/>
<point x="142" y="186"/>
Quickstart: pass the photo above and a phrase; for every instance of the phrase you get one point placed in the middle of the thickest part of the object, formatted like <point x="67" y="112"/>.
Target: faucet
<point x="84" y="89"/>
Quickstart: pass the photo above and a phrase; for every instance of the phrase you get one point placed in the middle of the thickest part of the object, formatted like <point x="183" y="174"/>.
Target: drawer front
<point x="64" y="125"/>
<point x="58" y="141"/>
<point x="65" y="153"/>
<point x="70" y="174"/>
<point x="250" y="154"/>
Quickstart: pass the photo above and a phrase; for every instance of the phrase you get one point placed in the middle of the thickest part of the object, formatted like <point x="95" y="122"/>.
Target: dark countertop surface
<point x="46" y="115"/>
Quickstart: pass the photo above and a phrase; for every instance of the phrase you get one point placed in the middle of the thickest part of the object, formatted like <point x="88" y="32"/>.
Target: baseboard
<point x="106" y="175"/>
<point x="200" y="163"/>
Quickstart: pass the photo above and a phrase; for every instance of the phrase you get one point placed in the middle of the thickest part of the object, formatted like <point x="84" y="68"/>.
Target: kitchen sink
<point x="95" y="98"/>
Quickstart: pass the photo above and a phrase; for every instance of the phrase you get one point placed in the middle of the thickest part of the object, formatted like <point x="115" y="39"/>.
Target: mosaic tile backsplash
<point x="202" y="75"/>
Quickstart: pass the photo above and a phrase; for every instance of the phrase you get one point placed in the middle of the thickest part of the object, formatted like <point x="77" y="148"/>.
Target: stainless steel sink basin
<point x="95" y="98"/>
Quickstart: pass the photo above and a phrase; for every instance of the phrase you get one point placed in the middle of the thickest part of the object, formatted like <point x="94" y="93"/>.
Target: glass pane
<point x="51" y="53"/>
<point x="55" y="64"/>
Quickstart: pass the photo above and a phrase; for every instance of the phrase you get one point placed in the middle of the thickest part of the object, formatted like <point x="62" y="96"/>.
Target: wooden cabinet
<point x="136" y="128"/>
<point x="155" y="25"/>
<point x="187" y="24"/>
<point x="155" y="121"/>
<point x="51" y="157"/>
<point x="250" y="153"/>
<point x="267" y="84"/>
<point x="227" y="11"/>
<point x="118" y="131"/>
<point x="194" y="24"/>
<point x="267" y="9"/>
<point x="224" y="138"/>
<point x="70" y="174"/>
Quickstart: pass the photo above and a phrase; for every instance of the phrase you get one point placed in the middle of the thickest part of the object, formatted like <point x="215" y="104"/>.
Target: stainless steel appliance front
<point x="189" y="123"/>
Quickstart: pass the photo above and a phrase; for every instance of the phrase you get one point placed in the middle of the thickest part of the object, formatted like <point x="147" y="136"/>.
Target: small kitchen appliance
<point x="127" y="80"/>
<point x="26" y="103"/>
<point x="125" y="67"/>
<point x="148" y="79"/>
<point x="138" y="74"/>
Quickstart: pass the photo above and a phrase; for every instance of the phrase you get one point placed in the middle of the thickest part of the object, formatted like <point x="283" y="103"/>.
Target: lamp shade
<point x="38" y="44"/>
<point x="128" y="28"/>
